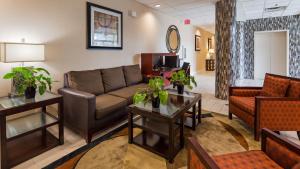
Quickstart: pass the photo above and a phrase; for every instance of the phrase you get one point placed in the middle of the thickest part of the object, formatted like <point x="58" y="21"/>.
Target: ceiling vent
<point x="275" y="8"/>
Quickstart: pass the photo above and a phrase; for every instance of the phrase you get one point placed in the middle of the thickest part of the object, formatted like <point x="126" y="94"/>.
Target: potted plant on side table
<point x="28" y="79"/>
<point x="181" y="79"/>
<point x="154" y="92"/>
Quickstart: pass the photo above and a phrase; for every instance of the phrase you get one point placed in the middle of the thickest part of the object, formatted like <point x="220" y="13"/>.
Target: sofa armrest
<point x="79" y="109"/>
<point x="277" y="113"/>
<point x="244" y="91"/>
<point x="282" y="151"/>
<point x="198" y="158"/>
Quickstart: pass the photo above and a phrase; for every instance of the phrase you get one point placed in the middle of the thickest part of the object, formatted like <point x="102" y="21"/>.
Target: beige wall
<point x="203" y="54"/>
<point x="61" y="25"/>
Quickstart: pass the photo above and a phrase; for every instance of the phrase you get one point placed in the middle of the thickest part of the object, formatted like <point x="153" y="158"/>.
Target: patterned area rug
<point x="217" y="134"/>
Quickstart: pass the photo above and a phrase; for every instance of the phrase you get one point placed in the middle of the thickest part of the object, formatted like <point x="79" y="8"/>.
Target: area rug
<point x="217" y="134"/>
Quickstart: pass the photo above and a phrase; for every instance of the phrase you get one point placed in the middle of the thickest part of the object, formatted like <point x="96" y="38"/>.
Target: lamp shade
<point x="17" y="52"/>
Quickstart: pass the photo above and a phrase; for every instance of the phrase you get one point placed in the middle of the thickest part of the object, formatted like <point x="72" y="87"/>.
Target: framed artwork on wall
<point x="197" y="42"/>
<point x="209" y="43"/>
<point x="104" y="27"/>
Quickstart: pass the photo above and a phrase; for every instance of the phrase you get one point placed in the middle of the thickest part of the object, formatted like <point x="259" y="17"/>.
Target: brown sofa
<point x="275" y="106"/>
<point x="276" y="152"/>
<point x="94" y="99"/>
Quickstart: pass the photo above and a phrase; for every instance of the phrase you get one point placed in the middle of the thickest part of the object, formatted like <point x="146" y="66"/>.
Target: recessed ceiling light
<point x="157" y="5"/>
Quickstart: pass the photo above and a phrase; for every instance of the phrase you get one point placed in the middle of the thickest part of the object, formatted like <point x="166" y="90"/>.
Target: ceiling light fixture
<point x="157" y="5"/>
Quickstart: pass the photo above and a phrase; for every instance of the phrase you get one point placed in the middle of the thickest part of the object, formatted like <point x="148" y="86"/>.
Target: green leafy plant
<point x="181" y="78"/>
<point x="154" y="90"/>
<point x="26" y="77"/>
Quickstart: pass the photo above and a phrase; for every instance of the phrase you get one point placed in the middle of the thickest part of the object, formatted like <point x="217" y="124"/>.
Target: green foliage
<point x="154" y="90"/>
<point x="25" y="77"/>
<point x="180" y="78"/>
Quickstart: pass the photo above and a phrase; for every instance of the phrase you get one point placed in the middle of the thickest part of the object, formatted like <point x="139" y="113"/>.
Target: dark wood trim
<point x="3" y="142"/>
<point x="202" y="155"/>
<point x="266" y="133"/>
<point x="197" y="36"/>
<point x="89" y="46"/>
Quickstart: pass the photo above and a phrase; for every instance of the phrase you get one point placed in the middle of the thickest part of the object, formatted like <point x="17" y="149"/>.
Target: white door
<point x="270" y="53"/>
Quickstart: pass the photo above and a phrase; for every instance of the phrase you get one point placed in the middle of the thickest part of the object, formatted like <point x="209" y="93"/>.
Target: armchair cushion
<point x="279" y="153"/>
<point x="133" y="74"/>
<point x="106" y="104"/>
<point x="246" y="160"/>
<point x="245" y="103"/>
<point x="89" y="81"/>
<point x="294" y="89"/>
<point x="113" y="78"/>
<point x="275" y="86"/>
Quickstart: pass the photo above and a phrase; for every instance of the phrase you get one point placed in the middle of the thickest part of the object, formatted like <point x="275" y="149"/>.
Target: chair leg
<point x="230" y="116"/>
<point x="88" y="138"/>
<point x="298" y="133"/>
<point x="256" y="135"/>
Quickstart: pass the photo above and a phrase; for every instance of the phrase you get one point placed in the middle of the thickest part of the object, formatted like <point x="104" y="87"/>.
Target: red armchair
<point x="275" y="106"/>
<point x="276" y="152"/>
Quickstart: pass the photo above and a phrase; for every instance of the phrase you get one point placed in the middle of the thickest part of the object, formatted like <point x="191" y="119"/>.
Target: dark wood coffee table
<point x="162" y="128"/>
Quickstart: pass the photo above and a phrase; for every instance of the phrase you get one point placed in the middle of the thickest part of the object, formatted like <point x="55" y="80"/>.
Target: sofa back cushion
<point x="88" y="81"/>
<point x="133" y="74"/>
<point x="275" y="86"/>
<point x="294" y="89"/>
<point x="113" y="78"/>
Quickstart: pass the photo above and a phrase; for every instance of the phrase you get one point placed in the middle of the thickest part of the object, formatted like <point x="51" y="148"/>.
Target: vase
<point x="180" y="89"/>
<point x="155" y="102"/>
<point x="30" y="92"/>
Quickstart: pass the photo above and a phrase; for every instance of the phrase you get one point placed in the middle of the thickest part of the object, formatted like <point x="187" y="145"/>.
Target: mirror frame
<point x="169" y="31"/>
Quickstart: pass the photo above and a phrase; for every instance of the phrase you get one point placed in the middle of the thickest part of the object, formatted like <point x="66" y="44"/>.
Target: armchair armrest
<point x="244" y="91"/>
<point x="79" y="109"/>
<point x="277" y="113"/>
<point x="198" y="158"/>
<point x="282" y="151"/>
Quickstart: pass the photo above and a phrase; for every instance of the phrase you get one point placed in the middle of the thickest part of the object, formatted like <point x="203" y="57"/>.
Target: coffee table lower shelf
<point x="24" y="148"/>
<point x="156" y="144"/>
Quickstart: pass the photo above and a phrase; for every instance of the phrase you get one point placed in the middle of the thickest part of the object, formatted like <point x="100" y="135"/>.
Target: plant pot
<point x="155" y="102"/>
<point x="180" y="89"/>
<point x="30" y="92"/>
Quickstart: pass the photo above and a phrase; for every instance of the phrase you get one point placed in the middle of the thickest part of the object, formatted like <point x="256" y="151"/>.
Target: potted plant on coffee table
<point x="181" y="79"/>
<point x="28" y="79"/>
<point x="154" y="92"/>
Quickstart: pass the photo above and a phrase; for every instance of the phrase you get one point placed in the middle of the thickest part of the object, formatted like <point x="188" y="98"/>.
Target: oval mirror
<point x="173" y="39"/>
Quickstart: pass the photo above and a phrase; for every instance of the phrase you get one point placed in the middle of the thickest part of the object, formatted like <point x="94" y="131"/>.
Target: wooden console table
<point x="27" y="136"/>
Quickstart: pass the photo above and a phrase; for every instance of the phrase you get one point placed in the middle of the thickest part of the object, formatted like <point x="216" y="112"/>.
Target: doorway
<point x="271" y="53"/>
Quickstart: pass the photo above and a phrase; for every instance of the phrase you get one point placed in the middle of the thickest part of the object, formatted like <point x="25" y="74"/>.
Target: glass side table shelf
<point x="27" y="136"/>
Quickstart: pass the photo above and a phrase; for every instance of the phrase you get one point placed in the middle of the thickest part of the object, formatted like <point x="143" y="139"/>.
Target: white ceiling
<point x="202" y="12"/>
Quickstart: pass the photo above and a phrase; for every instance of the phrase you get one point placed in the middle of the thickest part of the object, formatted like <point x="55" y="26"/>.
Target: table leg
<point x="130" y="132"/>
<point x="194" y="118"/>
<point x="3" y="144"/>
<point x="44" y="130"/>
<point x="61" y="122"/>
<point x="199" y="111"/>
<point x="181" y="131"/>
<point x="171" y="141"/>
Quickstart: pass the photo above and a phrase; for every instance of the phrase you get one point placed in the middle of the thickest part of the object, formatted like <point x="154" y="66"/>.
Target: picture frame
<point x="197" y="43"/>
<point x="104" y="27"/>
<point x="209" y="43"/>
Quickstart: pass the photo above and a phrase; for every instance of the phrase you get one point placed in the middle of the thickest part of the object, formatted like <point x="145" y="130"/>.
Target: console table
<point x="27" y="136"/>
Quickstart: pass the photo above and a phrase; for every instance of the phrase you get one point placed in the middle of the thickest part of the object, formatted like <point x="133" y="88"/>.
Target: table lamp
<point x="21" y="52"/>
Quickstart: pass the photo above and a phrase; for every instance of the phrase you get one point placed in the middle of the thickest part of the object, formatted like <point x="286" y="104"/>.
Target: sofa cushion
<point x="250" y="159"/>
<point x="133" y="74"/>
<point x="128" y="92"/>
<point x="106" y="104"/>
<point x="88" y="81"/>
<point x="275" y="86"/>
<point x="245" y="103"/>
<point x="294" y="89"/>
<point x="113" y="78"/>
